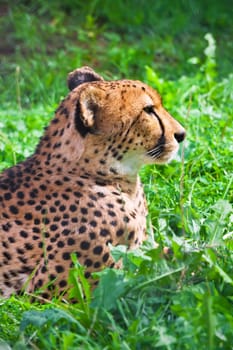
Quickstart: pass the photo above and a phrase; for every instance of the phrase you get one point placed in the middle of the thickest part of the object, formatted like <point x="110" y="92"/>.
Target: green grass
<point x="180" y="302"/>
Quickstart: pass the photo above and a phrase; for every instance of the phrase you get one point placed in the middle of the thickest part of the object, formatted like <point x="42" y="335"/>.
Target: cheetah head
<point x="117" y="125"/>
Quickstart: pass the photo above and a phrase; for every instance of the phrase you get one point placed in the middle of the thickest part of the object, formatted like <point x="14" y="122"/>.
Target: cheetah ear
<point x="82" y="75"/>
<point x="87" y="110"/>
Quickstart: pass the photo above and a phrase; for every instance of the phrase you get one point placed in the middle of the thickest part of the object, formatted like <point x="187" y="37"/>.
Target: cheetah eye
<point x="149" y="109"/>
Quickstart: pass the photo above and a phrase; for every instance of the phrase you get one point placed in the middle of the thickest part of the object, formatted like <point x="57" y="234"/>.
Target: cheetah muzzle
<point x="80" y="190"/>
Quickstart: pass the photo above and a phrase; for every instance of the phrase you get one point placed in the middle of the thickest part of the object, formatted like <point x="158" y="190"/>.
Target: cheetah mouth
<point x="162" y="153"/>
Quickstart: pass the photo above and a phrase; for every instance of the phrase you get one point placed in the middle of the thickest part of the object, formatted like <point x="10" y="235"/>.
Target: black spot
<point x="36" y="229"/>
<point x="113" y="223"/>
<point x="22" y="259"/>
<point x="23" y="234"/>
<point x="120" y="201"/>
<point x="78" y="194"/>
<point x="92" y="235"/>
<point x="7" y="196"/>
<point x="93" y="197"/>
<point x="11" y="239"/>
<point x="126" y="219"/>
<point x="97" y="213"/>
<point x="98" y="250"/>
<point x="66" y="256"/>
<point x="53" y="227"/>
<point x="84" y="211"/>
<point x="52" y="277"/>
<point x="100" y="183"/>
<point x="93" y="223"/>
<point x="104" y="232"/>
<point x="88" y="262"/>
<point x="34" y="193"/>
<point x="70" y="241"/>
<point x="66" y="232"/>
<point x="46" y="221"/>
<point x="73" y="207"/>
<point x="55" y="121"/>
<point x="62" y="208"/>
<point x="60" y="244"/>
<point x="64" y="223"/>
<point x="105" y="257"/>
<point x="78" y="254"/>
<point x="110" y="205"/>
<point x="59" y="268"/>
<point x="97" y="264"/>
<point x="7" y="255"/>
<point x="6" y="227"/>
<point x="40" y="245"/>
<point x="20" y="195"/>
<point x="28" y="246"/>
<point x="5" y="245"/>
<point x="87" y="274"/>
<point x="34" y="237"/>
<point x="100" y="194"/>
<point x="65" y="196"/>
<point x="43" y="187"/>
<point x="39" y="283"/>
<point x="58" y="183"/>
<point x="82" y="229"/>
<point x="52" y="210"/>
<point x="120" y="232"/>
<point x="74" y="220"/>
<point x="45" y="295"/>
<point x="62" y="283"/>
<point x="31" y="202"/>
<point x="85" y="245"/>
<point x="101" y="173"/>
<point x="13" y="209"/>
<point x="28" y="216"/>
<point x="20" y="251"/>
<point x="90" y="204"/>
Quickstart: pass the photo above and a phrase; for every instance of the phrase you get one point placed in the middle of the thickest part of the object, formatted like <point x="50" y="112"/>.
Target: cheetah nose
<point x="180" y="136"/>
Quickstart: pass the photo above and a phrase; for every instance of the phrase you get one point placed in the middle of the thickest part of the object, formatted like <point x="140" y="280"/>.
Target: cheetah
<point x="80" y="190"/>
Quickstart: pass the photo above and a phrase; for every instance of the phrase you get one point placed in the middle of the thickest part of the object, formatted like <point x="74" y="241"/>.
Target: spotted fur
<point x="80" y="190"/>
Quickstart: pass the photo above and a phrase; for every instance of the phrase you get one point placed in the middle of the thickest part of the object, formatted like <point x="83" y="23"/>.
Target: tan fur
<point x="80" y="190"/>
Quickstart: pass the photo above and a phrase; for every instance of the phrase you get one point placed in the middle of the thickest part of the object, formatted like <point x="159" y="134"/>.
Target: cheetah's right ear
<point x="87" y="110"/>
<point x="82" y="75"/>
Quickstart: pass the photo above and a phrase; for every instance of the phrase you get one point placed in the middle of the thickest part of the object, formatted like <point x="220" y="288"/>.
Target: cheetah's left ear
<point x="82" y="75"/>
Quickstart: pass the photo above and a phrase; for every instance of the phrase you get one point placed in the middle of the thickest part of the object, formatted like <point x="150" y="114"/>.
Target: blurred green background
<point x="119" y="38"/>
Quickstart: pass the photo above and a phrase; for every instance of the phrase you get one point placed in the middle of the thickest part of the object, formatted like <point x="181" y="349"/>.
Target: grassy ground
<point x="186" y="301"/>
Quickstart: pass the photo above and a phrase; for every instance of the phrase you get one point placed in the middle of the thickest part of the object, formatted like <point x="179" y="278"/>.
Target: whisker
<point x="155" y="153"/>
<point x="156" y="149"/>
